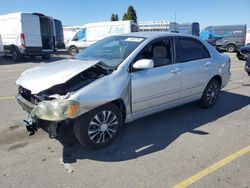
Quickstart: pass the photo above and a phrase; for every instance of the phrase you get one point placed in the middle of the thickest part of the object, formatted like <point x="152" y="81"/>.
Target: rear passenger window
<point x="191" y="49"/>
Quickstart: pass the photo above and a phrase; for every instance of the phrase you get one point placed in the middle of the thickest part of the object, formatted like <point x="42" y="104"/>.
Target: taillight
<point x="22" y="38"/>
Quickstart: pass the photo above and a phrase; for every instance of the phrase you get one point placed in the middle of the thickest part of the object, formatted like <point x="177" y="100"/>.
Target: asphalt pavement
<point x="184" y="146"/>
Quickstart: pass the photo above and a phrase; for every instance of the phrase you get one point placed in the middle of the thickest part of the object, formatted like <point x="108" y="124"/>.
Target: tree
<point x="114" y="17"/>
<point x="130" y="15"/>
<point x="125" y="17"/>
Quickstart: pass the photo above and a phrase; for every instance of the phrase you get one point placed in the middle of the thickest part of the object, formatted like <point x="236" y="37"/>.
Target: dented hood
<point x="43" y="77"/>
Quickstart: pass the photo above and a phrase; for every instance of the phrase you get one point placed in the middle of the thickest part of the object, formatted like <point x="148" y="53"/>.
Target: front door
<point x="157" y="88"/>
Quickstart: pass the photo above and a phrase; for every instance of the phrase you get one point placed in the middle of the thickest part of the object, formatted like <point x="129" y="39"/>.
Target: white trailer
<point x="247" y="37"/>
<point x="1" y="47"/>
<point x="27" y="34"/>
<point x="92" y="32"/>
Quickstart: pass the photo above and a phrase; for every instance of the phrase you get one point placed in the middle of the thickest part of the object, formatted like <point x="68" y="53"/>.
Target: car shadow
<point x="153" y="133"/>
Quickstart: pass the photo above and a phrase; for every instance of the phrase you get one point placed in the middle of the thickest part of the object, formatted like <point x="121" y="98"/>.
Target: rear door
<point x="31" y="30"/>
<point x="196" y="66"/>
<point x="59" y="34"/>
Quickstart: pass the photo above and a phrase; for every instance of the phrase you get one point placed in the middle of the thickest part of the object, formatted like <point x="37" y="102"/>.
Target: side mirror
<point x="144" y="64"/>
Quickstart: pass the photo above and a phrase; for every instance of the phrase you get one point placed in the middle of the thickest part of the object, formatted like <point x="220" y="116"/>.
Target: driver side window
<point x="159" y="51"/>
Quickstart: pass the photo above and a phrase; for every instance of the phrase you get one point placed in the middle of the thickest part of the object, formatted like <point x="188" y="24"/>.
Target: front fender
<point x="104" y="90"/>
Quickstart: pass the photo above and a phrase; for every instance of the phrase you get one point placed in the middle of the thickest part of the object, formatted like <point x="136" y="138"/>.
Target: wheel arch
<point x="72" y="46"/>
<point x="218" y="78"/>
<point x="13" y="46"/>
<point x="121" y="105"/>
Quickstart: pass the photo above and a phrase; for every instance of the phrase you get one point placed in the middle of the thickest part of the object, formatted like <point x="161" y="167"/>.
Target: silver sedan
<point x="120" y="79"/>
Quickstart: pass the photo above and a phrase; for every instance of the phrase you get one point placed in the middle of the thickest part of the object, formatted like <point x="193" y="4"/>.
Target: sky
<point x="79" y="12"/>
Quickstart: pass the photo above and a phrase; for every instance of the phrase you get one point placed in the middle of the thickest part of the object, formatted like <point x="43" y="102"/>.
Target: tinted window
<point x="190" y="49"/>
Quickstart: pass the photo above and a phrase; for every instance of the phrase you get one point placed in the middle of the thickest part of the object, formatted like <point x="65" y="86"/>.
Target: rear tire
<point x="73" y="50"/>
<point x="210" y="94"/>
<point x="99" y="127"/>
<point x="15" y="54"/>
<point x="231" y="48"/>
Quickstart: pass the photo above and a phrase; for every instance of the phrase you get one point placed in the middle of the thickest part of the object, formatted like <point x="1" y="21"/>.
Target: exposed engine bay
<point x="63" y="90"/>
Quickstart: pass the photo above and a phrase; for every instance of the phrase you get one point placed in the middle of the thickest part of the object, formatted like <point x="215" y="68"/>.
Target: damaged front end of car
<point x="52" y="107"/>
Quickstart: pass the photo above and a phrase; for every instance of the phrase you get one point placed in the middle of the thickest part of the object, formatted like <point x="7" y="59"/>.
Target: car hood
<point x="43" y="77"/>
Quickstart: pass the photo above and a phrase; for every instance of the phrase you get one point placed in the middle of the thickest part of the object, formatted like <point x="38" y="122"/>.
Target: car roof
<point x="155" y="34"/>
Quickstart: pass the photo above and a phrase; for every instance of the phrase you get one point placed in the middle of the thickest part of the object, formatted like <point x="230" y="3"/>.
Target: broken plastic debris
<point x="67" y="166"/>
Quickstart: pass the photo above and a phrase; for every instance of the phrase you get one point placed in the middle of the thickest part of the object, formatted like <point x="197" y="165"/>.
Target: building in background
<point x="154" y="25"/>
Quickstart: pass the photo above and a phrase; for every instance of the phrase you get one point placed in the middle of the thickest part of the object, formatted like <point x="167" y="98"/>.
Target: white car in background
<point x="1" y="47"/>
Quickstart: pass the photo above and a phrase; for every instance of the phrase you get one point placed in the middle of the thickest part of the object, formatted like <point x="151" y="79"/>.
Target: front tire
<point x="99" y="127"/>
<point x="73" y="50"/>
<point x="231" y="48"/>
<point x="210" y="94"/>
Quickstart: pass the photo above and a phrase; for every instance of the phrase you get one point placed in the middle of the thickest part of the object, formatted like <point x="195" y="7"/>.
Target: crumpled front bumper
<point x="26" y="105"/>
<point x="32" y="123"/>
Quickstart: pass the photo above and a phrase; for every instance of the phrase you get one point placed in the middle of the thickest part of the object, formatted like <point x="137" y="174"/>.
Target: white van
<point x="27" y="34"/>
<point x="1" y="47"/>
<point x="91" y="33"/>
<point x="69" y="32"/>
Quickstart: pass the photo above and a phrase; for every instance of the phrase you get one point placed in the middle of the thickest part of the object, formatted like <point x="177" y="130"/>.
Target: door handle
<point x="176" y="70"/>
<point x="207" y="64"/>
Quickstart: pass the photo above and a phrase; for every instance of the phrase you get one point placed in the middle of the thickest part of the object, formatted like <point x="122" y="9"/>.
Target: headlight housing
<point x="56" y="110"/>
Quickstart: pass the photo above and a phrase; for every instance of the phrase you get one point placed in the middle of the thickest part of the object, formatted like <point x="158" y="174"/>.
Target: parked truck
<point x="92" y="32"/>
<point x="225" y="37"/>
<point x="29" y="34"/>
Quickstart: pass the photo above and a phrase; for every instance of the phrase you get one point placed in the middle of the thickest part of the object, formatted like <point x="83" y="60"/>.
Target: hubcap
<point x="73" y="51"/>
<point x="231" y="49"/>
<point x="103" y="127"/>
<point x="212" y="93"/>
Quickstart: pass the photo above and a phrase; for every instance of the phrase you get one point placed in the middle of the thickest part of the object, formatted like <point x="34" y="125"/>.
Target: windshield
<point x="112" y="51"/>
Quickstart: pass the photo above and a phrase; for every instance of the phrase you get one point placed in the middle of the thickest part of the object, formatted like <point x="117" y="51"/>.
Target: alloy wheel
<point x="212" y="93"/>
<point x="102" y="127"/>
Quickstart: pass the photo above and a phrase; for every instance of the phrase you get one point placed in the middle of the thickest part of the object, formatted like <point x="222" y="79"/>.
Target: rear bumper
<point x="225" y="79"/>
<point x="36" y="51"/>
